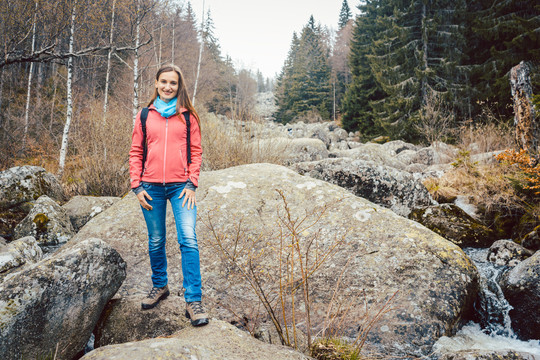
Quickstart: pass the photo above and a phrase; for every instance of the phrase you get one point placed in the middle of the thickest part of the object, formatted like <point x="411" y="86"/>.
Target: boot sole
<point x="151" y="306"/>
<point x="199" y="322"/>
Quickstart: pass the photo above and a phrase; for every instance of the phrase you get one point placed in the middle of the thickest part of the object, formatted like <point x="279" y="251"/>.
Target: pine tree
<point x="364" y="90"/>
<point x="304" y="83"/>
<point x="344" y="15"/>
<point x="415" y="58"/>
<point x="504" y="32"/>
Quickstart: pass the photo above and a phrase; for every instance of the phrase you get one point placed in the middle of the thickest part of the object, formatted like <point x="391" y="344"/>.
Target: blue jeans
<point x="185" y="228"/>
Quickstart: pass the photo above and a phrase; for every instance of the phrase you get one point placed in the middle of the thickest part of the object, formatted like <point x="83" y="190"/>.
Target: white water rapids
<point x="495" y="331"/>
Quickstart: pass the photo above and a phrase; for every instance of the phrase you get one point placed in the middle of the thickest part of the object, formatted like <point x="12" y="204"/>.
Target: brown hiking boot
<point x="195" y="312"/>
<point x="154" y="296"/>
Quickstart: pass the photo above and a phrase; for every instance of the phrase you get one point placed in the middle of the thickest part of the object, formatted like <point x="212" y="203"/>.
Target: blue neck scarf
<point x="165" y="109"/>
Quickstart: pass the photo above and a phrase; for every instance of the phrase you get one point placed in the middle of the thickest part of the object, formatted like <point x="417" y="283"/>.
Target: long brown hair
<point x="183" y="97"/>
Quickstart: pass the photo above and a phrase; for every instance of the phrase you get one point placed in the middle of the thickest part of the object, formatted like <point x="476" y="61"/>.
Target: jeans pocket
<point x="146" y="185"/>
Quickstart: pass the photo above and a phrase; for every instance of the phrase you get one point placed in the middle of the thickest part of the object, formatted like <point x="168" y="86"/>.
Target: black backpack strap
<point x="188" y="136"/>
<point x="144" y="116"/>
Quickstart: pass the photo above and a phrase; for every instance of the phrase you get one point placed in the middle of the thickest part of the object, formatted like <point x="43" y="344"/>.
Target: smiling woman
<point x="165" y="161"/>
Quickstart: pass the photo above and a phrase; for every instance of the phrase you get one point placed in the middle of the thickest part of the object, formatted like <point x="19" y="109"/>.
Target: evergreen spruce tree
<point x="364" y="90"/>
<point x="415" y="58"/>
<point x="344" y="15"/>
<point x="304" y="82"/>
<point x="504" y="32"/>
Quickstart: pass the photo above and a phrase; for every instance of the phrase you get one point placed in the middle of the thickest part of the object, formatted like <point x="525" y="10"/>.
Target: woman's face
<point x="167" y="85"/>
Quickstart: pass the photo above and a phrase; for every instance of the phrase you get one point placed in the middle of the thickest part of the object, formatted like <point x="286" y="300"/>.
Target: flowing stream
<point x="494" y="330"/>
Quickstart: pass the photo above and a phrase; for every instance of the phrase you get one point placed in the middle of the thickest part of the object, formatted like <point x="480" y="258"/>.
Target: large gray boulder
<point x="454" y="224"/>
<point x="377" y="254"/>
<point x="18" y="253"/>
<point x="22" y="184"/>
<point x="19" y="186"/>
<point x="522" y="290"/>
<point x="123" y="321"/>
<point x="80" y="209"/>
<point x="217" y="340"/>
<point x="394" y="189"/>
<point x="372" y="152"/>
<point x="435" y="154"/>
<point x="47" y="222"/>
<point x="55" y="303"/>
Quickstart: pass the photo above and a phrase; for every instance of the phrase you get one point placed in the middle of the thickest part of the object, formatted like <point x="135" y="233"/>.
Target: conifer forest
<point x="72" y="73"/>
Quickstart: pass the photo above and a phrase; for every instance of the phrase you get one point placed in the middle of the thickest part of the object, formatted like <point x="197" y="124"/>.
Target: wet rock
<point x="507" y="253"/>
<point x="217" y="340"/>
<point x="386" y="186"/>
<point x="522" y="290"/>
<point x="3" y="242"/>
<point x="18" y="253"/>
<point x="454" y="224"/>
<point x="81" y="209"/>
<point x="47" y="222"/>
<point x="532" y="240"/>
<point x="123" y="320"/>
<point x="381" y="251"/>
<point x="486" y="355"/>
<point x="55" y="303"/>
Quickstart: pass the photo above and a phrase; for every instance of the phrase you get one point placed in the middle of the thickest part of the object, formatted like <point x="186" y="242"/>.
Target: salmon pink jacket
<point x="166" y="158"/>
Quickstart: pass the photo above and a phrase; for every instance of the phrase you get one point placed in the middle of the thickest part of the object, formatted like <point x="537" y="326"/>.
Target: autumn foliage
<point x="527" y="164"/>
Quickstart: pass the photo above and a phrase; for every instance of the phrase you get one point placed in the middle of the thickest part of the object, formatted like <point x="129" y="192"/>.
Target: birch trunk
<point x="200" y="57"/>
<point x="173" y="28"/>
<point x="425" y="53"/>
<point x="136" y="64"/>
<point x="53" y="101"/>
<point x="108" y="75"/>
<point x="29" y="86"/>
<point x="69" y="111"/>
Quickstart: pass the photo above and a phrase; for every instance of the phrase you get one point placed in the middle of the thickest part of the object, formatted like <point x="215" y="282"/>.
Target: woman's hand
<point x="189" y="197"/>
<point x="142" y="199"/>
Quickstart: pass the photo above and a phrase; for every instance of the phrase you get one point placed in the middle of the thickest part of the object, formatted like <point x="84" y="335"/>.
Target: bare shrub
<point x="99" y="164"/>
<point x="280" y="267"/>
<point x="436" y="121"/>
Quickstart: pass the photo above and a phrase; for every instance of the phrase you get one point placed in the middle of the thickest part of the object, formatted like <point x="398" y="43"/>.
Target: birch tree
<point x="69" y="110"/>
<point x="200" y="57"/>
<point x="29" y="86"/>
<point x="109" y="54"/>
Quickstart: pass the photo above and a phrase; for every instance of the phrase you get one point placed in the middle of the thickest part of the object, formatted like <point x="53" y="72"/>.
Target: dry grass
<point x="225" y="146"/>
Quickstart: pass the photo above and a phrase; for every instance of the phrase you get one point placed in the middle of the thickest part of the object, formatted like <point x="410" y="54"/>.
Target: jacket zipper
<point x="165" y="149"/>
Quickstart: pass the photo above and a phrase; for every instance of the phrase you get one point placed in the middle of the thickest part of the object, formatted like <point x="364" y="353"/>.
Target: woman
<point x="170" y="171"/>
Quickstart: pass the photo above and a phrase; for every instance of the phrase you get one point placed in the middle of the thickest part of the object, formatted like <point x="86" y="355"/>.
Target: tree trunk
<point x="136" y="64"/>
<point x="108" y="75"/>
<point x="200" y="57"/>
<point x="29" y="86"/>
<point x="425" y="53"/>
<point x="527" y="125"/>
<point x="69" y="112"/>
<point x="172" y="47"/>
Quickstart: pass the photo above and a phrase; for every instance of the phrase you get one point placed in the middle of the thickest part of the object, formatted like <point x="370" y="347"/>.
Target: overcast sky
<point x="257" y="34"/>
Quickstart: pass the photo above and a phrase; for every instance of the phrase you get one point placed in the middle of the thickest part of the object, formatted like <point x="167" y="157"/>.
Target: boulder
<point x="304" y="149"/>
<point x="18" y="253"/>
<point x="486" y="158"/>
<point x="371" y="152"/>
<point x="507" y="253"/>
<point x="54" y="304"/>
<point x="398" y="146"/>
<point x="383" y="253"/>
<point x="80" y="209"/>
<point x="123" y="321"/>
<point x="47" y="222"/>
<point x="521" y="288"/>
<point x="438" y="153"/>
<point x="532" y="240"/>
<point x="22" y="184"/>
<point x="3" y="242"/>
<point x="454" y="224"/>
<point x="383" y="185"/>
<point x="217" y="340"/>
<point x="408" y="157"/>
<point x="486" y="355"/>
